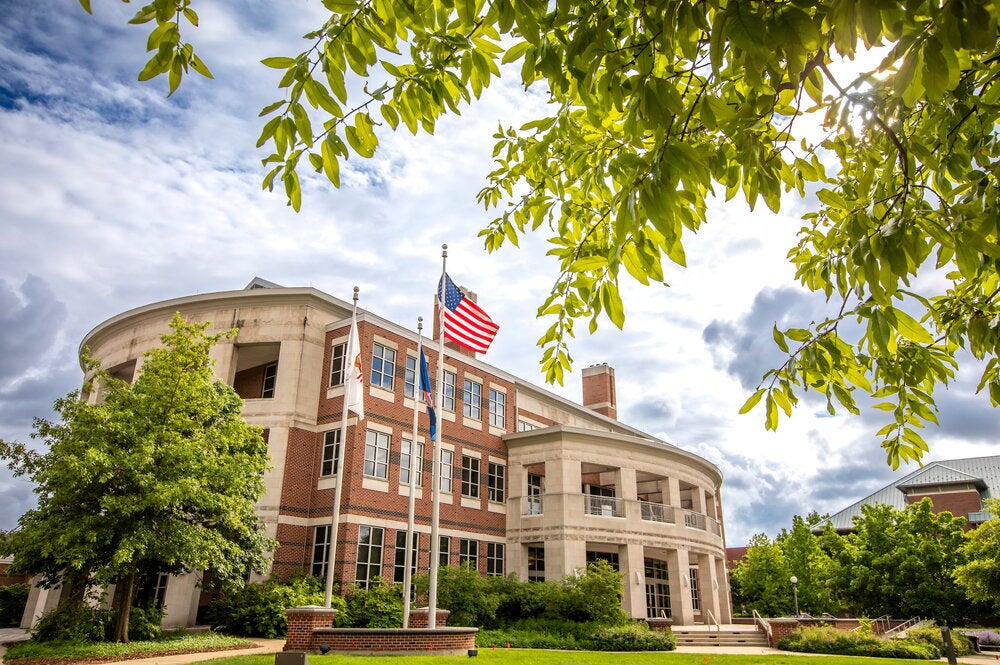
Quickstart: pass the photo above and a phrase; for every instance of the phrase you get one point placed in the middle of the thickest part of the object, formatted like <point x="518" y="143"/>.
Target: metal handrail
<point x="758" y="620"/>
<point x="718" y="626"/>
<point x="909" y="623"/>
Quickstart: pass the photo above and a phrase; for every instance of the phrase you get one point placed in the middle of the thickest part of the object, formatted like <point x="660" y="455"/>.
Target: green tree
<point x="161" y="474"/>
<point x="810" y="565"/>
<point x="980" y="575"/>
<point x="763" y="578"/>
<point x="655" y="108"/>
<point x="901" y="563"/>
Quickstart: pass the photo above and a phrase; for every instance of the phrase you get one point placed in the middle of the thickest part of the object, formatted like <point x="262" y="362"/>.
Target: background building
<point x="532" y="483"/>
<point x="958" y="486"/>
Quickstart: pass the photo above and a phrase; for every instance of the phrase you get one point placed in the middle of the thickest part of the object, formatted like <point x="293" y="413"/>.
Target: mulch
<point x="87" y="660"/>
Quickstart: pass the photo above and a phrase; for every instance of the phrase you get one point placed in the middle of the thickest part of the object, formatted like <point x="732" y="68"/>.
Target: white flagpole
<point x="436" y="490"/>
<point x="331" y="558"/>
<point x="416" y="462"/>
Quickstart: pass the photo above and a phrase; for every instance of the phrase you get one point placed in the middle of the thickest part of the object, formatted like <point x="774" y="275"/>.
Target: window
<point x="657" y="589"/>
<point x="159" y="590"/>
<point x="494" y="559"/>
<point x="337" y="354"/>
<point x="270" y="378"/>
<point x="331" y="451"/>
<point x="399" y="566"/>
<point x="383" y="366"/>
<point x="448" y="394"/>
<point x="610" y="557"/>
<point x="468" y="553"/>
<point x="447" y="466"/>
<point x="369" y="555"/>
<point x="535" y="489"/>
<point x="536" y="563"/>
<point x="525" y="426"/>
<point x="498" y="408"/>
<point x="404" y="463"/>
<point x="470" y="477"/>
<point x="695" y="597"/>
<point x="444" y="557"/>
<point x="410" y="377"/>
<point x="472" y="398"/>
<point x="321" y="550"/>
<point x="377" y="454"/>
<point x="496" y="482"/>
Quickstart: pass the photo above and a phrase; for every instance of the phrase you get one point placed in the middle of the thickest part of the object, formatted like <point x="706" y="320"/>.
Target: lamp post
<point x="795" y="593"/>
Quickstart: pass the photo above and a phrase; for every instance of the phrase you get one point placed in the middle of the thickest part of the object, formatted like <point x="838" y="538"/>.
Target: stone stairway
<point x="726" y="637"/>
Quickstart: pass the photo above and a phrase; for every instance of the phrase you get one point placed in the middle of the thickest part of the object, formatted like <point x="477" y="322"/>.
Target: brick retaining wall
<point x="397" y="641"/>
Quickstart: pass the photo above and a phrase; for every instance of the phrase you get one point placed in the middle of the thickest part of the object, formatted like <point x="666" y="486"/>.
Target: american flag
<point x="465" y="322"/>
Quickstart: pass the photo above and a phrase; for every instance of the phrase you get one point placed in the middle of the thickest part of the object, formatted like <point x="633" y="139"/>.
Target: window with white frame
<point x="369" y="555"/>
<point x="496" y="482"/>
<point x="472" y="397"/>
<point x="695" y="596"/>
<point x="331" y="452"/>
<point x="447" y="469"/>
<point x="448" y="394"/>
<point x="337" y="354"/>
<point x="377" y="454"/>
<point x="470" y="476"/>
<point x="270" y="380"/>
<point x="321" y="550"/>
<point x="410" y="377"/>
<point x="525" y="426"/>
<point x="405" y="463"/>
<point x="536" y="563"/>
<point x="495" y="559"/>
<point x="444" y="555"/>
<point x="399" y="565"/>
<point x="657" y="589"/>
<point x="383" y="366"/>
<point x="498" y="408"/>
<point x="468" y="553"/>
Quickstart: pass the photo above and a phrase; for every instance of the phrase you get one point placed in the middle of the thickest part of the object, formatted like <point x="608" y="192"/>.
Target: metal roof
<point x="983" y="471"/>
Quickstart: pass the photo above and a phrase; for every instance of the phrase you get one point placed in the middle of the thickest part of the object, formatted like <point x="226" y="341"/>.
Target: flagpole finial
<point x="420" y="323"/>
<point x="356" y="289"/>
<point x="444" y="250"/>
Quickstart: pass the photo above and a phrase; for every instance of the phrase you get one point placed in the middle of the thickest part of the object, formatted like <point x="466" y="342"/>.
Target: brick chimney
<point x="599" y="390"/>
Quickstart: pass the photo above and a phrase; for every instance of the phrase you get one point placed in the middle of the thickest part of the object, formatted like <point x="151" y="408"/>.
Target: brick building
<point x="531" y="483"/>
<point x="958" y="486"/>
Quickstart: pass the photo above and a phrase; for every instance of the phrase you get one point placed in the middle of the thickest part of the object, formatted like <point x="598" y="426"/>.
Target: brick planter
<point x="781" y="628"/>
<point x="302" y="621"/>
<point x="419" y="617"/>
<point x="395" y="641"/>
<point x="660" y="624"/>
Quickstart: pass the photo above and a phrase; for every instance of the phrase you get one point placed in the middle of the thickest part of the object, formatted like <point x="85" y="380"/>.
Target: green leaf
<point x="752" y="401"/>
<point x="908" y="327"/>
<point x="279" y="62"/>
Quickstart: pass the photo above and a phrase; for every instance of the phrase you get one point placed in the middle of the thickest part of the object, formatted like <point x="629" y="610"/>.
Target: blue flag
<point x="425" y="388"/>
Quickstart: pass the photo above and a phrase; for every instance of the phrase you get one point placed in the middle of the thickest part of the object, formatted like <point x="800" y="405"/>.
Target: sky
<point x="114" y="195"/>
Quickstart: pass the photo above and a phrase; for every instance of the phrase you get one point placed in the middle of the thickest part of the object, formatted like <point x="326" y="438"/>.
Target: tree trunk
<point x="124" y="606"/>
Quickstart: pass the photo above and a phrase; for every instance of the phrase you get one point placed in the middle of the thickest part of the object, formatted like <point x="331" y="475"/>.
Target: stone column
<point x="680" y="590"/>
<point x="634" y="580"/>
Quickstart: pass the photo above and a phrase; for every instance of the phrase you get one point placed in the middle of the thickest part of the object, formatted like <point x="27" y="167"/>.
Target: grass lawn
<point x="174" y="642"/>
<point x="537" y="657"/>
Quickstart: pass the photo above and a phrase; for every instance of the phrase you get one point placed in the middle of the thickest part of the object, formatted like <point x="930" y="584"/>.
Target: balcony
<point x="656" y="512"/>
<point x="603" y="506"/>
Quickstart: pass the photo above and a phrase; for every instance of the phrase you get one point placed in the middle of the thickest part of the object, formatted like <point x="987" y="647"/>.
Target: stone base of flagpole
<point x="310" y="630"/>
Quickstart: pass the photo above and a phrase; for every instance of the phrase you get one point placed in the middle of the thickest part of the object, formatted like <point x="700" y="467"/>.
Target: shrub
<point x="378" y="606"/>
<point x="73" y="623"/>
<point x="832" y="641"/>
<point x="258" y="610"/>
<point x="12" y="600"/>
<point x="471" y="599"/>
<point x="932" y="635"/>
<point x="988" y="637"/>
<point x="144" y="623"/>
<point x="632" y="637"/>
<point x="524" y="600"/>
<point x="594" y="595"/>
<point x="526" y="639"/>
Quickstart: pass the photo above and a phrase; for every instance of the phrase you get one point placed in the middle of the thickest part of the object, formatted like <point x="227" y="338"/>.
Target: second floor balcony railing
<point x="605" y="506"/>
<point x="656" y="512"/>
